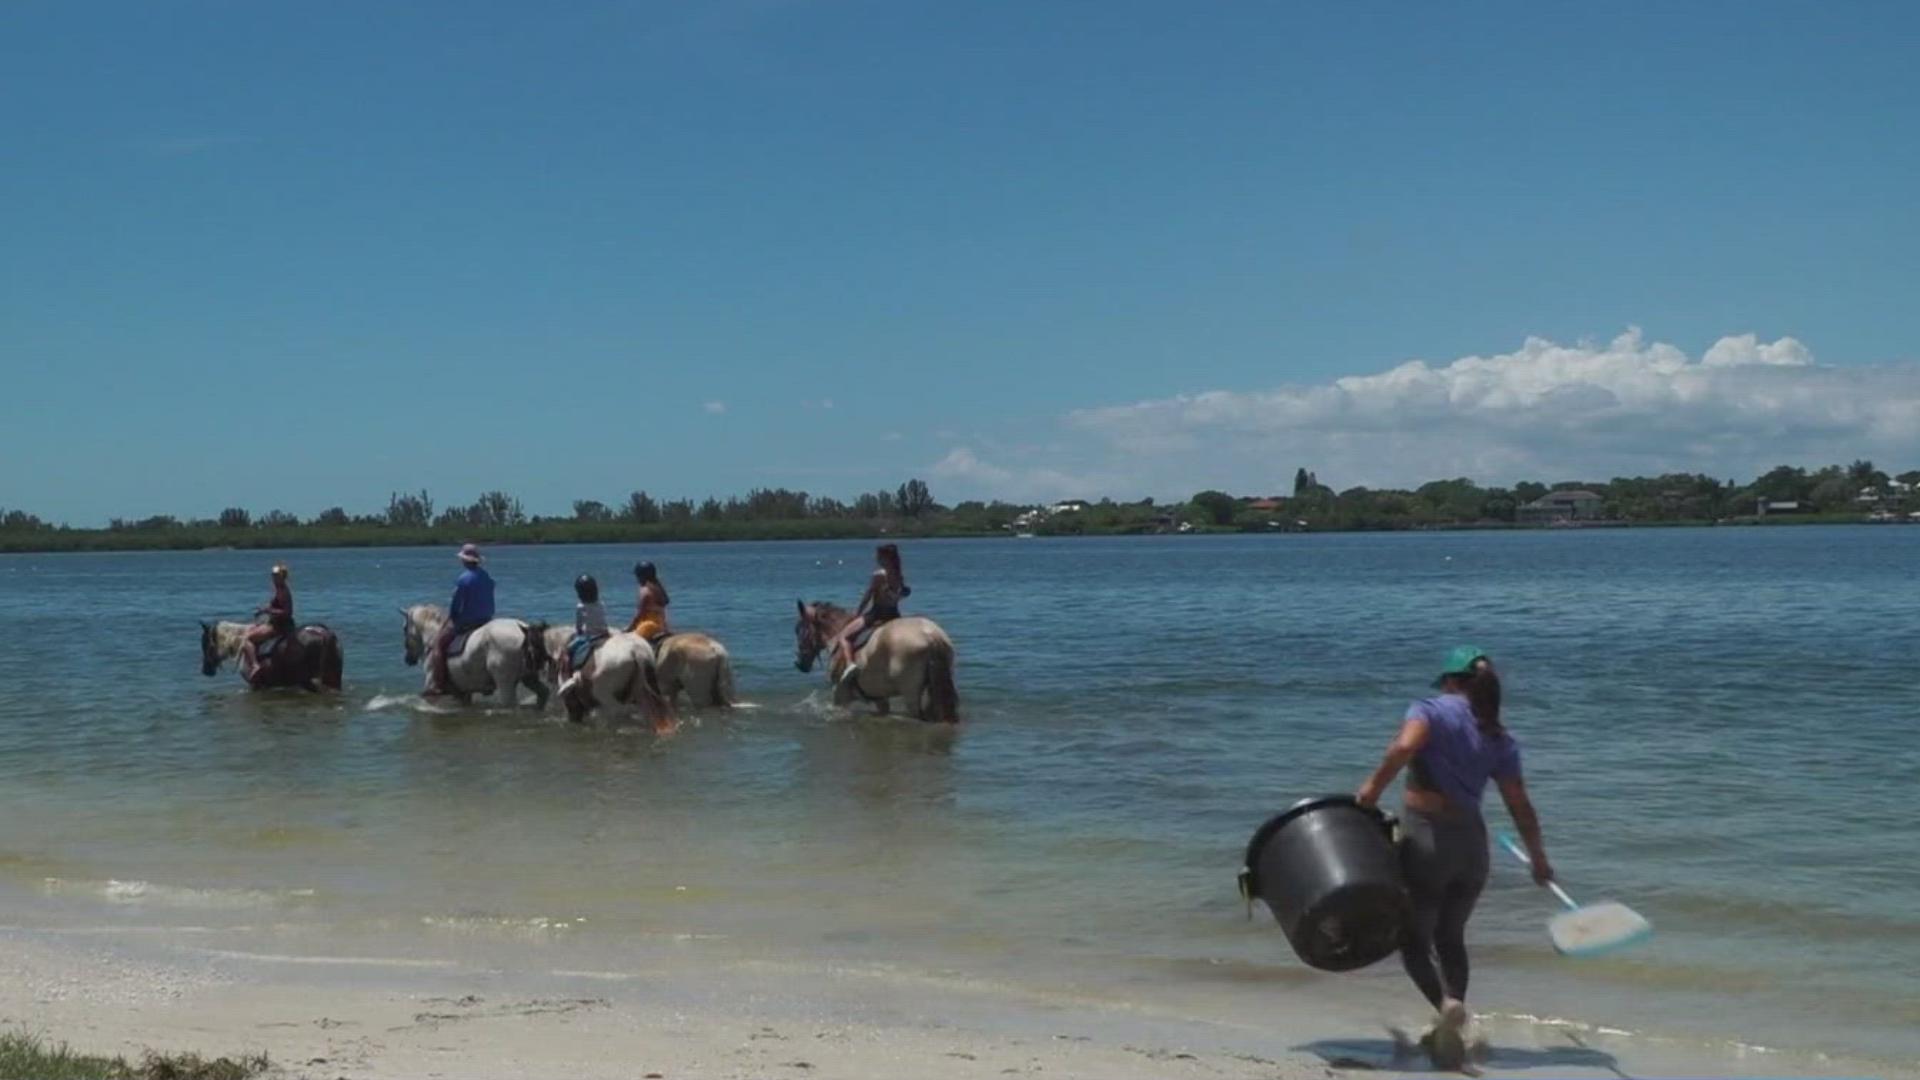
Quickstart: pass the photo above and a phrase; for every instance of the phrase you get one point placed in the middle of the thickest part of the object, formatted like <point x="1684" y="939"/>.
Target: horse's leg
<point x="505" y="674"/>
<point x="844" y="691"/>
<point x="533" y="682"/>
<point x="911" y="687"/>
<point x="530" y="678"/>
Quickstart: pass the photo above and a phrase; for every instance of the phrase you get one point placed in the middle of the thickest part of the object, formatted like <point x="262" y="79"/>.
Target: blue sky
<point x="290" y="256"/>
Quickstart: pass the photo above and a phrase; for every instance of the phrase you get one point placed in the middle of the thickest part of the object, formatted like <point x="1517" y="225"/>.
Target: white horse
<point x="622" y="673"/>
<point x="909" y="658"/>
<point x="499" y="657"/>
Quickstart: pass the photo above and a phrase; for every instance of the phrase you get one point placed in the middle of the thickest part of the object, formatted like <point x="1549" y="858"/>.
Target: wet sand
<point x="334" y="1014"/>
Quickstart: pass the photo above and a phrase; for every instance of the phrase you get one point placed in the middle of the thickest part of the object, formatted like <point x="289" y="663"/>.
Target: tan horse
<point x="698" y="664"/>
<point x="908" y="658"/>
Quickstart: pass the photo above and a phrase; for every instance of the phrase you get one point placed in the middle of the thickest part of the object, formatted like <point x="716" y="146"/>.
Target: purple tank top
<point x="1458" y="760"/>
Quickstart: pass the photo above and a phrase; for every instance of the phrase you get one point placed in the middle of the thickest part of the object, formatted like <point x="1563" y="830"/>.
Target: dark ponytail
<point x="889" y="558"/>
<point x="1483" y="697"/>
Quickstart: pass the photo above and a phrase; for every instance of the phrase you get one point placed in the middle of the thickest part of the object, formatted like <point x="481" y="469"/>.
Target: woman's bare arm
<point x="1413" y="736"/>
<point x="1513" y="790"/>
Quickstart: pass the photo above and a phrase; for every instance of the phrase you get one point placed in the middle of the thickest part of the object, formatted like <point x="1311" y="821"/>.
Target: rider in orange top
<point x="650" y="608"/>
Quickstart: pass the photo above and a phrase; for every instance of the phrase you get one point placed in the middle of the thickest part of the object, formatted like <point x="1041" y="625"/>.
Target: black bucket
<point x="1328" y="870"/>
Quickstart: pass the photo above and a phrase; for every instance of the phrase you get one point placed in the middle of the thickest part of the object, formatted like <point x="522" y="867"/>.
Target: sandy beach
<point x="332" y="1014"/>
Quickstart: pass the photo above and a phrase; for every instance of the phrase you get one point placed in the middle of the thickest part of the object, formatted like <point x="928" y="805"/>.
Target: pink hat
<point x="470" y="553"/>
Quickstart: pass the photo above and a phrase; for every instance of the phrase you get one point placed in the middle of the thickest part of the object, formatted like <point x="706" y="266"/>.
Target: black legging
<point x="1444" y="858"/>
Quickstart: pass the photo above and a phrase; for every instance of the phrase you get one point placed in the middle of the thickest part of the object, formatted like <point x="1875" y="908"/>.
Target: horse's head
<point x="813" y="631"/>
<point x="413" y="635"/>
<point x="209" y="649"/>
<point x="807" y="641"/>
<point x="536" y="655"/>
<point x="554" y="642"/>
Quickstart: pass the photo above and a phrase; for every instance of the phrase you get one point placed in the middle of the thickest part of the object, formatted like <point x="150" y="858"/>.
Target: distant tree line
<point x="1844" y="492"/>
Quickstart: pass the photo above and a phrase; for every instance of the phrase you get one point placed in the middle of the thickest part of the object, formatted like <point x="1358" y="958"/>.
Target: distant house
<point x="1068" y="506"/>
<point x="1562" y="506"/>
<point x="1772" y="506"/>
<point x="1267" y="506"/>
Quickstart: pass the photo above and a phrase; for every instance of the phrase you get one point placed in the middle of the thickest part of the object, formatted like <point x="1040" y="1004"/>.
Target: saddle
<point x="871" y="626"/>
<point x="459" y="643"/>
<point x="266" y="649"/>
<point x="580" y="650"/>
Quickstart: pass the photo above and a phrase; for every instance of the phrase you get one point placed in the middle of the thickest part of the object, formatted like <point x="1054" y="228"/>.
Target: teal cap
<point x="1460" y="661"/>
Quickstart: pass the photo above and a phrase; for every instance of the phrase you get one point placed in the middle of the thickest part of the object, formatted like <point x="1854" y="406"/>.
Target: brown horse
<point x="909" y="658"/>
<point x="310" y="658"/>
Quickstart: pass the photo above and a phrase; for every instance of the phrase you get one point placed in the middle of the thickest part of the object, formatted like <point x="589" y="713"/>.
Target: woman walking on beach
<point x="1452" y="744"/>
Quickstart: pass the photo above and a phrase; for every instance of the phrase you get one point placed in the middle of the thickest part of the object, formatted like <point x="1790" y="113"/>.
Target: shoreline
<point x="106" y="541"/>
<point x="342" y="1014"/>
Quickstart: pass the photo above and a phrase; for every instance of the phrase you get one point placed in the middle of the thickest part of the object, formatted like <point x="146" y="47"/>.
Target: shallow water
<point x="1716" y="722"/>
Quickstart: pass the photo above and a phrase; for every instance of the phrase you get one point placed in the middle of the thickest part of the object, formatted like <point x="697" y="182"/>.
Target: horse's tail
<point x="943" y="698"/>
<point x="723" y="682"/>
<point x="655" y="704"/>
<point x="333" y="662"/>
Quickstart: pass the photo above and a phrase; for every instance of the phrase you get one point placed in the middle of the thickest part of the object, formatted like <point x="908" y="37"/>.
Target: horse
<point x="910" y="658"/>
<point x="698" y="664"/>
<point x="500" y="656"/>
<point x="691" y="661"/>
<point x="309" y="658"/>
<point x="622" y="671"/>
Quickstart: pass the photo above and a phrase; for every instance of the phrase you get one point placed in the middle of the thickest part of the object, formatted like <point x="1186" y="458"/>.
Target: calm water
<point x="1718" y="729"/>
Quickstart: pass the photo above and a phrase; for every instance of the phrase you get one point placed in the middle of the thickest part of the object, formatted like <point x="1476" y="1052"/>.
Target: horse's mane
<point x="227" y="636"/>
<point x="827" y="609"/>
<point x="427" y="613"/>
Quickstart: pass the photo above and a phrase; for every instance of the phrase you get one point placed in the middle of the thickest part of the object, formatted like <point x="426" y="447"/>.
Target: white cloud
<point x="968" y="475"/>
<point x="1545" y="411"/>
<point x="715" y="407"/>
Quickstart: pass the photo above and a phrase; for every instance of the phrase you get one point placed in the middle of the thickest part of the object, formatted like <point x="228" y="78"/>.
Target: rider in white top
<point x="590" y="619"/>
<point x="589" y="626"/>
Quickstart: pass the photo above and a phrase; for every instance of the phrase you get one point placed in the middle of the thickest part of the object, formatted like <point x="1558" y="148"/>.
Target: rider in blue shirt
<point x="472" y="608"/>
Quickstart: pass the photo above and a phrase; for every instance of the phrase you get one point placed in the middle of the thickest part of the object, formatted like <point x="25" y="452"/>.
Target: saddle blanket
<point x="580" y="650"/>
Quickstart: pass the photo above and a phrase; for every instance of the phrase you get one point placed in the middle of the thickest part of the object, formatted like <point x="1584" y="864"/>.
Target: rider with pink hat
<point x="472" y="608"/>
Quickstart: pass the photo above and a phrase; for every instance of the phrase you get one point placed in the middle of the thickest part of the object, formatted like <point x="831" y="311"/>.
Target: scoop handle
<point x="1513" y="846"/>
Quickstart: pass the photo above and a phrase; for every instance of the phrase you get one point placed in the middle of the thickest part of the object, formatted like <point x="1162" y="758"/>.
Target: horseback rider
<point x="589" y="630"/>
<point x="650" y="603"/>
<point x="879" y="604"/>
<point x="278" y="611"/>
<point x="471" y="609"/>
